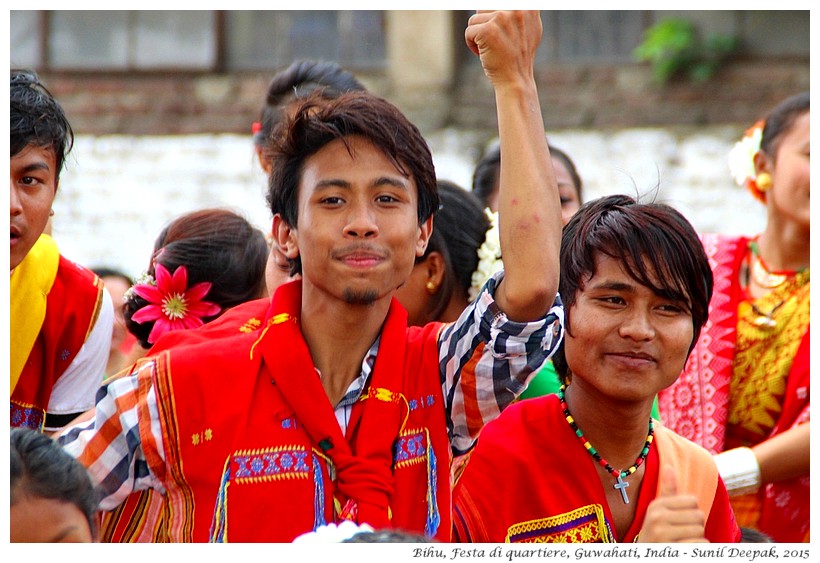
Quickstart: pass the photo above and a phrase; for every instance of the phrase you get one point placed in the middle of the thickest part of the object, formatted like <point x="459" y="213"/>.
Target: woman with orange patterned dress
<point x="744" y="394"/>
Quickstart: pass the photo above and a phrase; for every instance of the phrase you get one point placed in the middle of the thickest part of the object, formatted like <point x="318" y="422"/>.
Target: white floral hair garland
<point x="741" y="159"/>
<point x="144" y="279"/>
<point x="489" y="256"/>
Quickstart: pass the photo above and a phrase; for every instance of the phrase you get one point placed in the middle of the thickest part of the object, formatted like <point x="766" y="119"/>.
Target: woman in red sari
<point x="744" y="394"/>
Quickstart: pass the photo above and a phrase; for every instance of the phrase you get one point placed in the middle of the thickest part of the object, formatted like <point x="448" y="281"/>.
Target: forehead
<point x="559" y="167"/>
<point x="352" y="161"/>
<point x="800" y="128"/>
<point x="609" y="268"/>
<point x="31" y="154"/>
<point x="37" y="519"/>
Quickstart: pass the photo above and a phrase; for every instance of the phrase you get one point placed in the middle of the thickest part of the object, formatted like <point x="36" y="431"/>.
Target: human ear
<point x="762" y="163"/>
<point x="425" y="230"/>
<point x="435" y="268"/>
<point x="285" y="237"/>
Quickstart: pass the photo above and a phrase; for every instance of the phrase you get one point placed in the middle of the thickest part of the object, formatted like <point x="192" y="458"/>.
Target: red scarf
<point x="366" y="476"/>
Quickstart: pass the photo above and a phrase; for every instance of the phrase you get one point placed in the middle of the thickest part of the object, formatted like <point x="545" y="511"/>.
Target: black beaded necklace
<point x="620" y="484"/>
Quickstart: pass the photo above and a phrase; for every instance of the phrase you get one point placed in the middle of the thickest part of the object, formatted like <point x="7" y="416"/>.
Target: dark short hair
<point x="109" y="272"/>
<point x="485" y="175"/>
<point x="40" y="468"/>
<point x="216" y="246"/>
<point x="36" y="118"/>
<point x="646" y="238"/>
<point x="459" y="229"/>
<point x="555" y="152"/>
<point x="319" y="121"/>
<point x="296" y="82"/>
<point x="780" y="120"/>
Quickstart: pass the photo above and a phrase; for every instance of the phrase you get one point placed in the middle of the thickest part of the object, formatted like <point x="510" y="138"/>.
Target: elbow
<point x="529" y="302"/>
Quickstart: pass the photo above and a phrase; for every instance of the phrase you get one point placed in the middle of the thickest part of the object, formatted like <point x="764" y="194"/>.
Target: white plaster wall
<point x="118" y="192"/>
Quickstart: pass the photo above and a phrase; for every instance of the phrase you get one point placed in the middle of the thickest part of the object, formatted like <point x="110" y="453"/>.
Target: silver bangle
<point x="739" y="470"/>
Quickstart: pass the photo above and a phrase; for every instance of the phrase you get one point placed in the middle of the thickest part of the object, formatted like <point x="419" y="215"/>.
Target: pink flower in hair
<point x="172" y="304"/>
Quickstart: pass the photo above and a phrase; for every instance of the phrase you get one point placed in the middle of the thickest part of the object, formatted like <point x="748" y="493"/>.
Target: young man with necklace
<point x="333" y="409"/>
<point x="589" y="464"/>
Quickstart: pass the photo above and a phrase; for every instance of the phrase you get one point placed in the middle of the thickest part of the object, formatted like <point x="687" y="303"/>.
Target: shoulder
<point x="425" y="333"/>
<point x="245" y="318"/>
<point x="520" y="418"/>
<point x="78" y="293"/>
<point x="667" y="438"/>
<point x="77" y="276"/>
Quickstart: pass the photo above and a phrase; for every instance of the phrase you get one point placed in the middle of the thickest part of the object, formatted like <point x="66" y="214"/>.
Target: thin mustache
<point x="358" y="249"/>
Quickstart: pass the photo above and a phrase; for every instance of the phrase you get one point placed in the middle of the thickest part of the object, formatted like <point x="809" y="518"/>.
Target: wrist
<point x="739" y="470"/>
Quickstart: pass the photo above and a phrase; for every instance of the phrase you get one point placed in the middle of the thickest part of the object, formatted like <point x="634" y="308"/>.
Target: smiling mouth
<point x="630" y="358"/>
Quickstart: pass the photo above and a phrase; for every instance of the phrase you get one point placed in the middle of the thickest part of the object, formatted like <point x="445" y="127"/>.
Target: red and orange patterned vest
<point x="244" y="464"/>
<point x="73" y="305"/>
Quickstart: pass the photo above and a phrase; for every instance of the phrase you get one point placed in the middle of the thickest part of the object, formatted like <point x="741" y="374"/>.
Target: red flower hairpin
<point x="172" y="304"/>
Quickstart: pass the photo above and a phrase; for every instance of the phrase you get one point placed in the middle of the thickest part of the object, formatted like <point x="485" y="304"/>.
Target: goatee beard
<point x="366" y="297"/>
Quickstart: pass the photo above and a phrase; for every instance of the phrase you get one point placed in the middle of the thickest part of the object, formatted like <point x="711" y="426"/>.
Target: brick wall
<point x="571" y="97"/>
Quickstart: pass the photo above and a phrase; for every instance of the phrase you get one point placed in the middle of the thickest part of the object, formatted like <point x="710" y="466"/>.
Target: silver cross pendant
<point x="621" y="485"/>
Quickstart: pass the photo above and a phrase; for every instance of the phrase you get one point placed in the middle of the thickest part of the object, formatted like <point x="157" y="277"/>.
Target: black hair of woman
<point x="485" y="175"/>
<point x="216" y="246"/>
<point x="296" y="82"/>
<point x="41" y="469"/>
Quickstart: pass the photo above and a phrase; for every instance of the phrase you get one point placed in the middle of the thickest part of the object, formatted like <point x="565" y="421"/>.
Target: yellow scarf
<point x="30" y="284"/>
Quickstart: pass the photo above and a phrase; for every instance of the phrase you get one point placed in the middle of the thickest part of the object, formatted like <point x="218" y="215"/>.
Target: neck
<point x="338" y="336"/>
<point x="617" y="430"/>
<point x="784" y="246"/>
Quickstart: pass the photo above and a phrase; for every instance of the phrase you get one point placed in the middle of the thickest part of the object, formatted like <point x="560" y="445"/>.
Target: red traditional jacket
<point x="529" y="480"/>
<point x="72" y="307"/>
<point x="253" y="451"/>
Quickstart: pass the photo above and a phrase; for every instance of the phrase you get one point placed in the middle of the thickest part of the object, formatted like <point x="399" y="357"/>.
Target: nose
<point x="15" y="206"/>
<point x="637" y="325"/>
<point x="361" y="222"/>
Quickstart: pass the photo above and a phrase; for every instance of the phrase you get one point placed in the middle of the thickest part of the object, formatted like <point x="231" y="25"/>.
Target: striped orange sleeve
<point x="108" y="432"/>
<point x="150" y="446"/>
<point x="469" y="389"/>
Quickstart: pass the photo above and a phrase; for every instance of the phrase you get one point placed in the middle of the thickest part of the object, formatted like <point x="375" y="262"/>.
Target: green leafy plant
<point x="674" y="49"/>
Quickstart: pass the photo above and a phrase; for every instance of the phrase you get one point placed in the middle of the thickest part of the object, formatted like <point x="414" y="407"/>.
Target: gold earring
<point x="763" y="181"/>
<point x="431" y="287"/>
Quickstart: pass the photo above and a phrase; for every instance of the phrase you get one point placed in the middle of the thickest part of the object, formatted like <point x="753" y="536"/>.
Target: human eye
<point x="610" y="300"/>
<point x="331" y="200"/>
<point x="30" y="182"/>
<point x="387" y="198"/>
<point x="673" y="308"/>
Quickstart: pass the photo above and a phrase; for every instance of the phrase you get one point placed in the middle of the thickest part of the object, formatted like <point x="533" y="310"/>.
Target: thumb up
<point x="672" y="517"/>
<point x="669" y="482"/>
